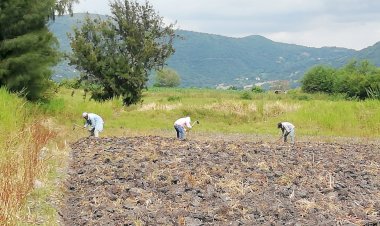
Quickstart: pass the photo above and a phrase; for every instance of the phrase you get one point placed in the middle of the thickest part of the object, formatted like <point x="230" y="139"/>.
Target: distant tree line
<point x="356" y="80"/>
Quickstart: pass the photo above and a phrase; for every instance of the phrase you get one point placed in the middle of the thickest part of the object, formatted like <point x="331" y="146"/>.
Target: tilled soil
<point x="162" y="181"/>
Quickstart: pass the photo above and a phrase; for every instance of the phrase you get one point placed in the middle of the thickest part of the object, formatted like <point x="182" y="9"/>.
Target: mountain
<point x="206" y="60"/>
<point x="372" y="53"/>
<point x="213" y="59"/>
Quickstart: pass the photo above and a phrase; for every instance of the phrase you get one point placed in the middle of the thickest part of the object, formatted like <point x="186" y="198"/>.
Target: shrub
<point x="246" y="95"/>
<point x="73" y="83"/>
<point x="257" y="89"/>
<point x="174" y="98"/>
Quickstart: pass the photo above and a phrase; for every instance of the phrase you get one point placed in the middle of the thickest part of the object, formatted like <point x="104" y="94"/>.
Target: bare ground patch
<point x="161" y="181"/>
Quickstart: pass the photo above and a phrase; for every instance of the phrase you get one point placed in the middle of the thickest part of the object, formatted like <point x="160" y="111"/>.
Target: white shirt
<point x="288" y="126"/>
<point x="95" y="121"/>
<point x="183" y="122"/>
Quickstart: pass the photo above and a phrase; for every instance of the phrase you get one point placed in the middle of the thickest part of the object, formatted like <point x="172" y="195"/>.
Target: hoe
<point x="196" y="122"/>
<point x="76" y="125"/>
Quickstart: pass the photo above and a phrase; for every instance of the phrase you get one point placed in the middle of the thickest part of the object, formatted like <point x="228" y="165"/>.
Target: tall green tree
<point x="167" y="77"/>
<point x="116" y="55"/>
<point x="27" y="49"/>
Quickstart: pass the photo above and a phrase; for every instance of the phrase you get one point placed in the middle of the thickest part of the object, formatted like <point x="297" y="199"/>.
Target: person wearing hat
<point x="94" y="123"/>
<point x="288" y="129"/>
<point x="180" y="127"/>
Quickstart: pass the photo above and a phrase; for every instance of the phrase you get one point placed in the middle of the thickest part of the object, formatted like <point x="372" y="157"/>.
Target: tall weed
<point x="21" y="143"/>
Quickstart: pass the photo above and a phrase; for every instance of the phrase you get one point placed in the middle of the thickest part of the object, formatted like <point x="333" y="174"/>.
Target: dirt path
<point x="161" y="181"/>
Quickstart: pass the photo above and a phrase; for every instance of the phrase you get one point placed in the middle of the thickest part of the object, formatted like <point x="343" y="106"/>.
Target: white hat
<point x="84" y="114"/>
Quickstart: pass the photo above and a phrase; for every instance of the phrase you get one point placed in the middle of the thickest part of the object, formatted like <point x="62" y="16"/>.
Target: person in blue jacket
<point x="94" y="123"/>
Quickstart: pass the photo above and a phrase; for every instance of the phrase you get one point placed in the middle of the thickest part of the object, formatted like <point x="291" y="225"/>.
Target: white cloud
<point x="355" y="36"/>
<point x="342" y="23"/>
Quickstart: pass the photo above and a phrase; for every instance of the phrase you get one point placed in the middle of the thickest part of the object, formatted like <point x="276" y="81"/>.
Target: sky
<point x="353" y="24"/>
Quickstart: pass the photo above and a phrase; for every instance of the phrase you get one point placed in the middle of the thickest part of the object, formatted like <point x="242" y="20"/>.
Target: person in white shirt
<point x="94" y="122"/>
<point x="180" y="127"/>
<point x="288" y="129"/>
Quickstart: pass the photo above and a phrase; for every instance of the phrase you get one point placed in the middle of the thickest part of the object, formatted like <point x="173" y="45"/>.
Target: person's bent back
<point x="94" y="123"/>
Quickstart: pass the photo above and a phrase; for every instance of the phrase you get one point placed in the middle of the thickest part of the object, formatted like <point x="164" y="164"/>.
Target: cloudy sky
<point x="351" y="24"/>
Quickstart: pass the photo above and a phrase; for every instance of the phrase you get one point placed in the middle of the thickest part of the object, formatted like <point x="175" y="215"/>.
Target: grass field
<point x="221" y="111"/>
<point x="34" y="137"/>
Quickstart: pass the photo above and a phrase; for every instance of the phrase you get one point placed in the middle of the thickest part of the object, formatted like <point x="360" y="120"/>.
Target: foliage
<point x="167" y="78"/>
<point x="319" y="79"/>
<point x="64" y="6"/>
<point x="73" y="83"/>
<point x="27" y="48"/>
<point x="246" y="95"/>
<point x="356" y="80"/>
<point x="257" y="89"/>
<point x="116" y="54"/>
<point x="356" y="77"/>
<point x="373" y="92"/>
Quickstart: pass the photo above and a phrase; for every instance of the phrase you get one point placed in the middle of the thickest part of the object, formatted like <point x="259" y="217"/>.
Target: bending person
<point x="94" y="123"/>
<point x="180" y="126"/>
<point x="288" y="129"/>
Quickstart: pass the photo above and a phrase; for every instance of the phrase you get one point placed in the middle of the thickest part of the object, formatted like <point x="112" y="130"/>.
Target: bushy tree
<point x="319" y="79"/>
<point x="167" y="78"/>
<point x="357" y="77"/>
<point x="27" y="49"/>
<point x="115" y="55"/>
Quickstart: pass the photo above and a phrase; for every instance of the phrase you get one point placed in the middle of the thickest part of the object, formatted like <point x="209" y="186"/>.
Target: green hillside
<point x="212" y="59"/>
<point x="372" y="53"/>
<point x="206" y="60"/>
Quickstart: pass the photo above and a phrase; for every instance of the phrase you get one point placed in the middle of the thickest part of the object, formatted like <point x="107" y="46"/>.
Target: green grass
<point x="221" y="111"/>
<point x="12" y="117"/>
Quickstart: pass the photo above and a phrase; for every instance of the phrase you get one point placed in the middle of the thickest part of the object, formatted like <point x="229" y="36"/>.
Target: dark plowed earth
<point x="162" y="181"/>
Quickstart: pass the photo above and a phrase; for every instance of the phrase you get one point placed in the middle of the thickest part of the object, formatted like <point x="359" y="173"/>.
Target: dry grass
<point x="230" y="107"/>
<point x="20" y="169"/>
<point x="273" y="109"/>
<point x="157" y="106"/>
